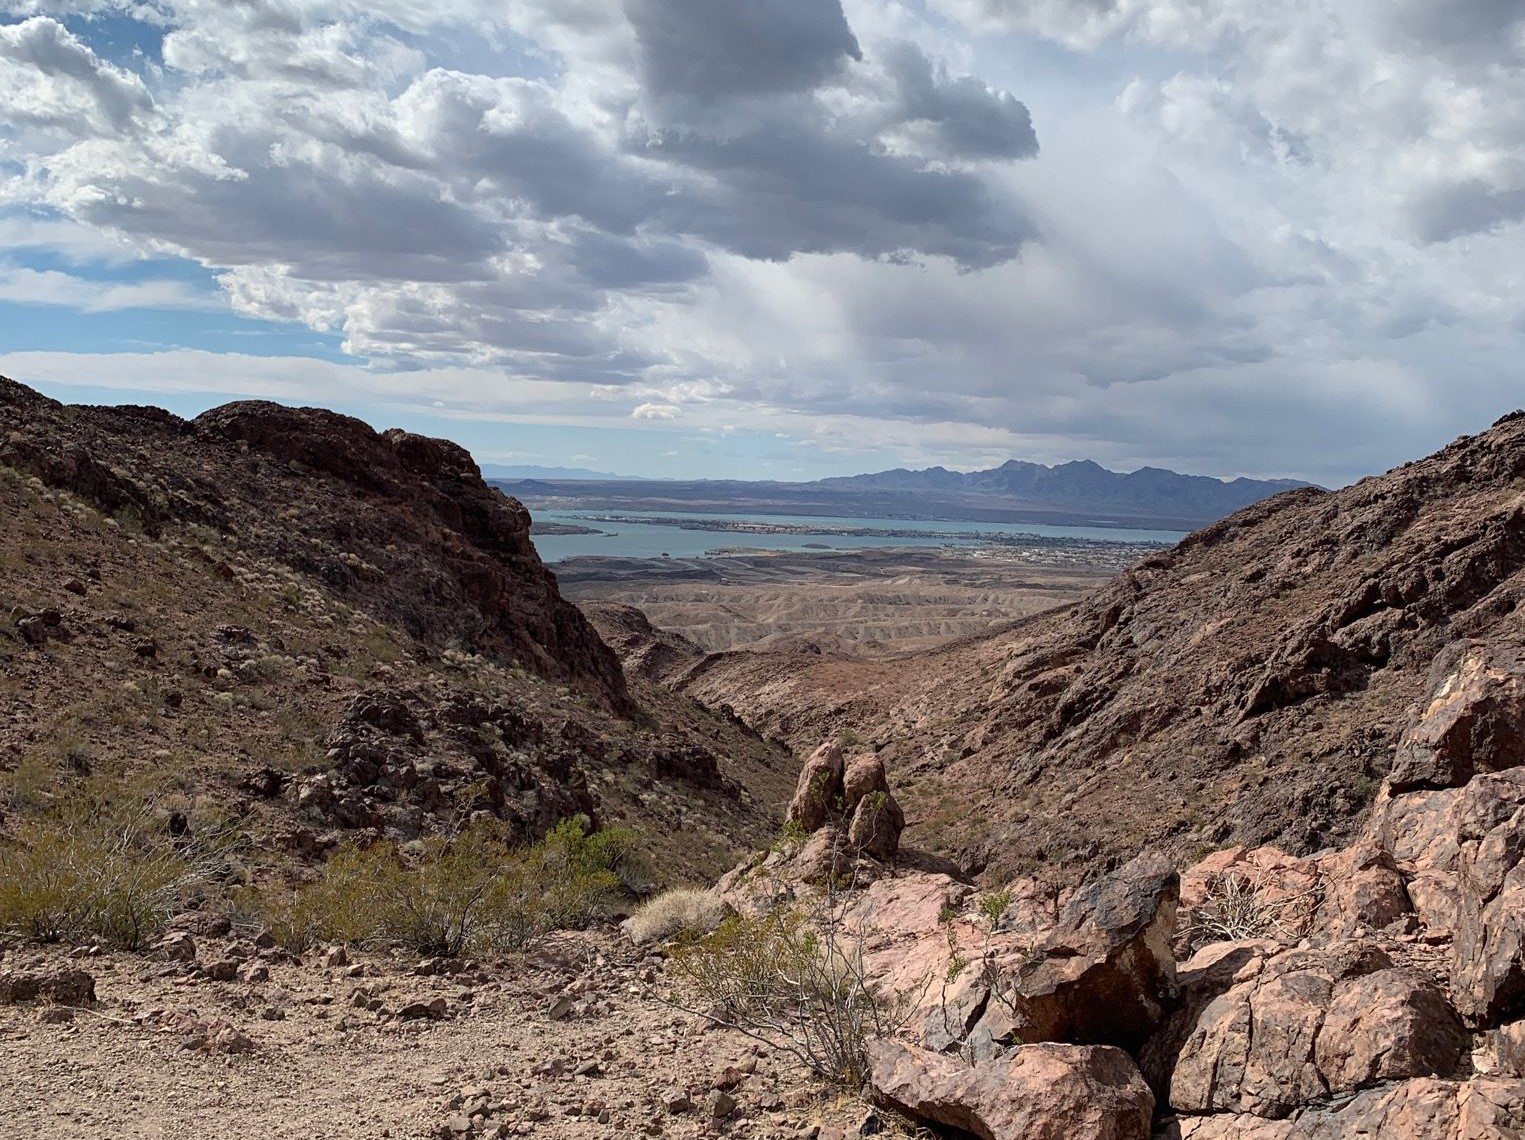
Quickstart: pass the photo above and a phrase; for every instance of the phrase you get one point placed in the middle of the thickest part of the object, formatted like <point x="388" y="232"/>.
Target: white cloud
<point x="51" y="80"/>
<point x="1259" y="235"/>
<point x="23" y="286"/>
<point x="656" y="412"/>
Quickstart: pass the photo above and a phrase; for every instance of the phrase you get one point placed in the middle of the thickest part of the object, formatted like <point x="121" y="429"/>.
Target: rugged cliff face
<point x="1247" y="686"/>
<point x="397" y="524"/>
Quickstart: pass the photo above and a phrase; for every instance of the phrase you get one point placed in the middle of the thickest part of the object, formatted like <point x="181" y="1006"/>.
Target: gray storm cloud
<point x="709" y="49"/>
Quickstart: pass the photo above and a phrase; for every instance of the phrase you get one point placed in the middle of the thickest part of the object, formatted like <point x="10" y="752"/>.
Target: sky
<point x="782" y="238"/>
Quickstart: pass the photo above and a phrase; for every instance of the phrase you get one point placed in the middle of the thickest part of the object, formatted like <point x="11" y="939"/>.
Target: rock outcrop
<point x="1036" y="1092"/>
<point x="1304" y="1025"/>
<point x="1375" y="990"/>
<point x="847" y="806"/>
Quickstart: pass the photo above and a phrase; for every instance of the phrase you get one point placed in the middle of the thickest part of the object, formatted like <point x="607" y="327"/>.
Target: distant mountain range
<point x="1078" y="493"/>
<point x="1081" y="484"/>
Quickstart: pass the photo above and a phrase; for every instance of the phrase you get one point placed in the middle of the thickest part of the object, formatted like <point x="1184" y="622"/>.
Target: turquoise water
<point x="647" y="540"/>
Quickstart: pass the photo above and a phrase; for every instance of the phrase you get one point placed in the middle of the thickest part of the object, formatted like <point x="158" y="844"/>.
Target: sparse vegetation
<point x="790" y="837"/>
<point x="796" y="979"/>
<point x="90" y="870"/>
<point x="798" y="985"/>
<point x="470" y="891"/>
<point x="1240" y="906"/>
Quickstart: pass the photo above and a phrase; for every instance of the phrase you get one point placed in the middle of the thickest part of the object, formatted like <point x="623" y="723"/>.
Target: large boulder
<point x="1474" y="722"/>
<point x="1427" y="1109"/>
<point x="1106" y="974"/>
<point x="1361" y="890"/>
<point x="1037" y="1092"/>
<point x="1293" y="1027"/>
<point x="1097" y="970"/>
<point x="1488" y="959"/>
<point x="863" y="777"/>
<point x="1485" y="1108"/>
<point x="876" y="826"/>
<point x="1459" y="851"/>
<point x="819" y="789"/>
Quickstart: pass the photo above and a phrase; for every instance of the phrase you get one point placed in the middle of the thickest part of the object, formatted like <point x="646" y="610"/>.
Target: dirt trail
<point x="576" y="1042"/>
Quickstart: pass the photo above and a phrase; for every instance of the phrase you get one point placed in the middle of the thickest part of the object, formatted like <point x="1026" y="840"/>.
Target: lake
<point x="629" y="539"/>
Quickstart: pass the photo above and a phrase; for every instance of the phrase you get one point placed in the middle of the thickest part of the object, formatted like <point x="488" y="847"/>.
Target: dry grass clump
<point x="683" y="911"/>
<point x="467" y="892"/>
<point x="88" y="871"/>
<point x="1239" y="907"/>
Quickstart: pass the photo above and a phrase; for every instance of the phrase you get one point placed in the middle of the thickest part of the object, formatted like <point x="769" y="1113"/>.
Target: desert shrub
<point x="790" y="837"/>
<point x="798" y="985"/>
<point x="469" y="891"/>
<point x="684" y="911"/>
<point x="85" y="871"/>
<point x="1239" y="906"/>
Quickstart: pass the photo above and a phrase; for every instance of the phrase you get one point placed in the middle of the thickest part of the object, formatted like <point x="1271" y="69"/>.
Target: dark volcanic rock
<point x="1475" y="721"/>
<point x="394" y="523"/>
<point x="1106" y="974"/>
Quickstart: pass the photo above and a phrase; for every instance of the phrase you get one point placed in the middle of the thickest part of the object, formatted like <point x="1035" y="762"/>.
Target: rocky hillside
<point x="280" y="616"/>
<point x="1247" y="686"/>
<point x="399" y="525"/>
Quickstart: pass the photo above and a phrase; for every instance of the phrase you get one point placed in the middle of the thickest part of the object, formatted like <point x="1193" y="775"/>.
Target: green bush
<point x="467" y="892"/>
<point x="82" y="871"/>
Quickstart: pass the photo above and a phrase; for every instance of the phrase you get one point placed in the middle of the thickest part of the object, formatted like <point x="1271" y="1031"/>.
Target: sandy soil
<point x="576" y="1042"/>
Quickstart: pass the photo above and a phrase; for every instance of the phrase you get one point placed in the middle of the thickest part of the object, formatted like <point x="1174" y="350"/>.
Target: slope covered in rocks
<point x="1247" y="686"/>
<point x="281" y="618"/>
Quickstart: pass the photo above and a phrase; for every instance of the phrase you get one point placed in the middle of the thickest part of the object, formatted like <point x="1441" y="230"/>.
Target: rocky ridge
<point x="1279" y="650"/>
<point x="400" y="525"/>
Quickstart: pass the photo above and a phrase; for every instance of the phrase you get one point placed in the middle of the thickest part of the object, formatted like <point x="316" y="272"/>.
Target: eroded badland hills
<point x="323" y="813"/>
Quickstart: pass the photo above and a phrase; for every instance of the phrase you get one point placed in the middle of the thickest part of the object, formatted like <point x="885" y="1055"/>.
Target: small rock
<point x="675" y="1100"/>
<point x="177" y="946"/>
<point x="65" y="987"/>
<point x="225" y="970"/>
<point x="434" y="1008"/>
